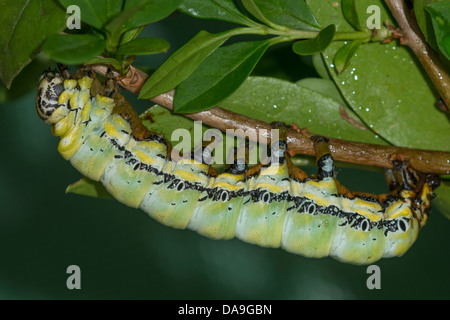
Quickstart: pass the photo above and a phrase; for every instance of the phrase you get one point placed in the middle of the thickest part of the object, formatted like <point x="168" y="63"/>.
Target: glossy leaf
<point x="317" y="44"/>
<point x="330" y="12"/>
<point x="350" y="13"/>
<point x="328" y="89"/>
<point x="117" y="27"/>
<point x="142" y="46"/>
<point x="440" y="16"/>
<point x="153" y="10"/>
<point x="387" y="88"/>
<point x="324" y="87"/>
<point x="319" y="66"/>
<point x="26" y="80"/>
<point x="131" y="34"/>
<point x="294" y="14"/>
<point x="88" y="187"/>
<point x="73" y="48"/>
<point x="95" y="12"/>
<point x="215" y="9"/>
<point x="424" y="21"/>
<point x="218" y="76"/>
<point x="182" y="63"/>
<point x="442" y="200"/>
<point x="20" y="38"/>
<point x="107" y="61"/>
<point x="345" y="54"/>
<point x="253" y="8"/>
<point x="270" y="99"/>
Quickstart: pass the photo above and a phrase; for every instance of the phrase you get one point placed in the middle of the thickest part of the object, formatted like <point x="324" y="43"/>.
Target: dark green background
<point x="123" y="254"/>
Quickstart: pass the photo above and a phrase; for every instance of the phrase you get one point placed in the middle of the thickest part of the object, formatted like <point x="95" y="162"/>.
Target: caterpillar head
<point x="47" y="106"/>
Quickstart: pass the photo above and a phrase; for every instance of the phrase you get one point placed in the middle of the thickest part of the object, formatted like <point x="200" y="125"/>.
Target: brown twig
<point x="413" y="37"/>
<point x="300" y="142"/>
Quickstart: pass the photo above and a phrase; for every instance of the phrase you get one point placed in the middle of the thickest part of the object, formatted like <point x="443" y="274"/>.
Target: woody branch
<point x="299" y="141"/>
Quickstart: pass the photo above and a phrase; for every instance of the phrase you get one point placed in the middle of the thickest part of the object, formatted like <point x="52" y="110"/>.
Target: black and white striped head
<point x="50" y="88"/>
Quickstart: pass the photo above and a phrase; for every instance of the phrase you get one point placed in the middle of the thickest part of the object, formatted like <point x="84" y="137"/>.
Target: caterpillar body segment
<point x="174" y="196"/>
<point x="220" y="203"/>
<point x="272" y="205"/>
<point x="264" y="207"/>
<point x="219" y="206"/>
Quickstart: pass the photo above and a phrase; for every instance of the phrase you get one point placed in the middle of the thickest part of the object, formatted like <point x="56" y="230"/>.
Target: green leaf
<point x="330" y="12"/>
<point x="108" y="61"/>
<point x="345" y="54"/>
<point x="253" y="8"/>
<point x="350" y="13"/>
<point x="325" y="87"/>
<point x="440" y="16"/>
<point x="215" y="9"/>
<point x="386" y="88"/>
<point x="73" y="48"/>
<point x="328" y="89"/>
<point x="131" y="34"/>
<point x="218" y="76"/>
<point x="142" y="46"/>
<point x="95" y="12"/>
<point x="118" y="26"/>
<point x="424" y="21"/>
<point x="271" y="99"/>
<point x="182" y="63"/>
<point x="26" y="80"/>
<point x="88" y="187"/>
<point x="20" y="37"/>
<point x="317" y="44"/>
<point x="319" y="66"/>
<point x="153" y="10"/>
<point x="442" y="200"/>
<point x="290" y="13"/>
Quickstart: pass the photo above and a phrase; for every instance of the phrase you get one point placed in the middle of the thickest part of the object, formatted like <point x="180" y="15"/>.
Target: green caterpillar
<point x="273" y="205"/>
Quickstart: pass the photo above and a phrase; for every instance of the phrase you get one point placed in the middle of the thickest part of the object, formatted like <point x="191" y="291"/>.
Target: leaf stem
<point x="356" y="35"/>
<point x="291" y="34"/>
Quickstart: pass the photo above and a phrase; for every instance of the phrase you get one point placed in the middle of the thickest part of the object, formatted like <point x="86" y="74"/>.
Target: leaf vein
<point x="14" y="26"/>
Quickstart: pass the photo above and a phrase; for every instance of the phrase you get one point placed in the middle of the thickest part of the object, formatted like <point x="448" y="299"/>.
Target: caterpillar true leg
<point x="391" y="180"/>
<point x="64" y="71"/>
<point x="312" y="215"/>
<point x="324" y="159"/>
<point x="264" y="207"/>
<point x="240" y="163"/>
<point x="220" y="203"/>
<point x="346" y="223"/>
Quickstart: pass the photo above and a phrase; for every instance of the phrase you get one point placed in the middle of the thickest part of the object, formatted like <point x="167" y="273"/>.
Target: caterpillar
<point x="271" y="205"/>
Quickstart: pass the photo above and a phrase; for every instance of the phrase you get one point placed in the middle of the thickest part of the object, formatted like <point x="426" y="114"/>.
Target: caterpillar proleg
<point x="272" y="205"/>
